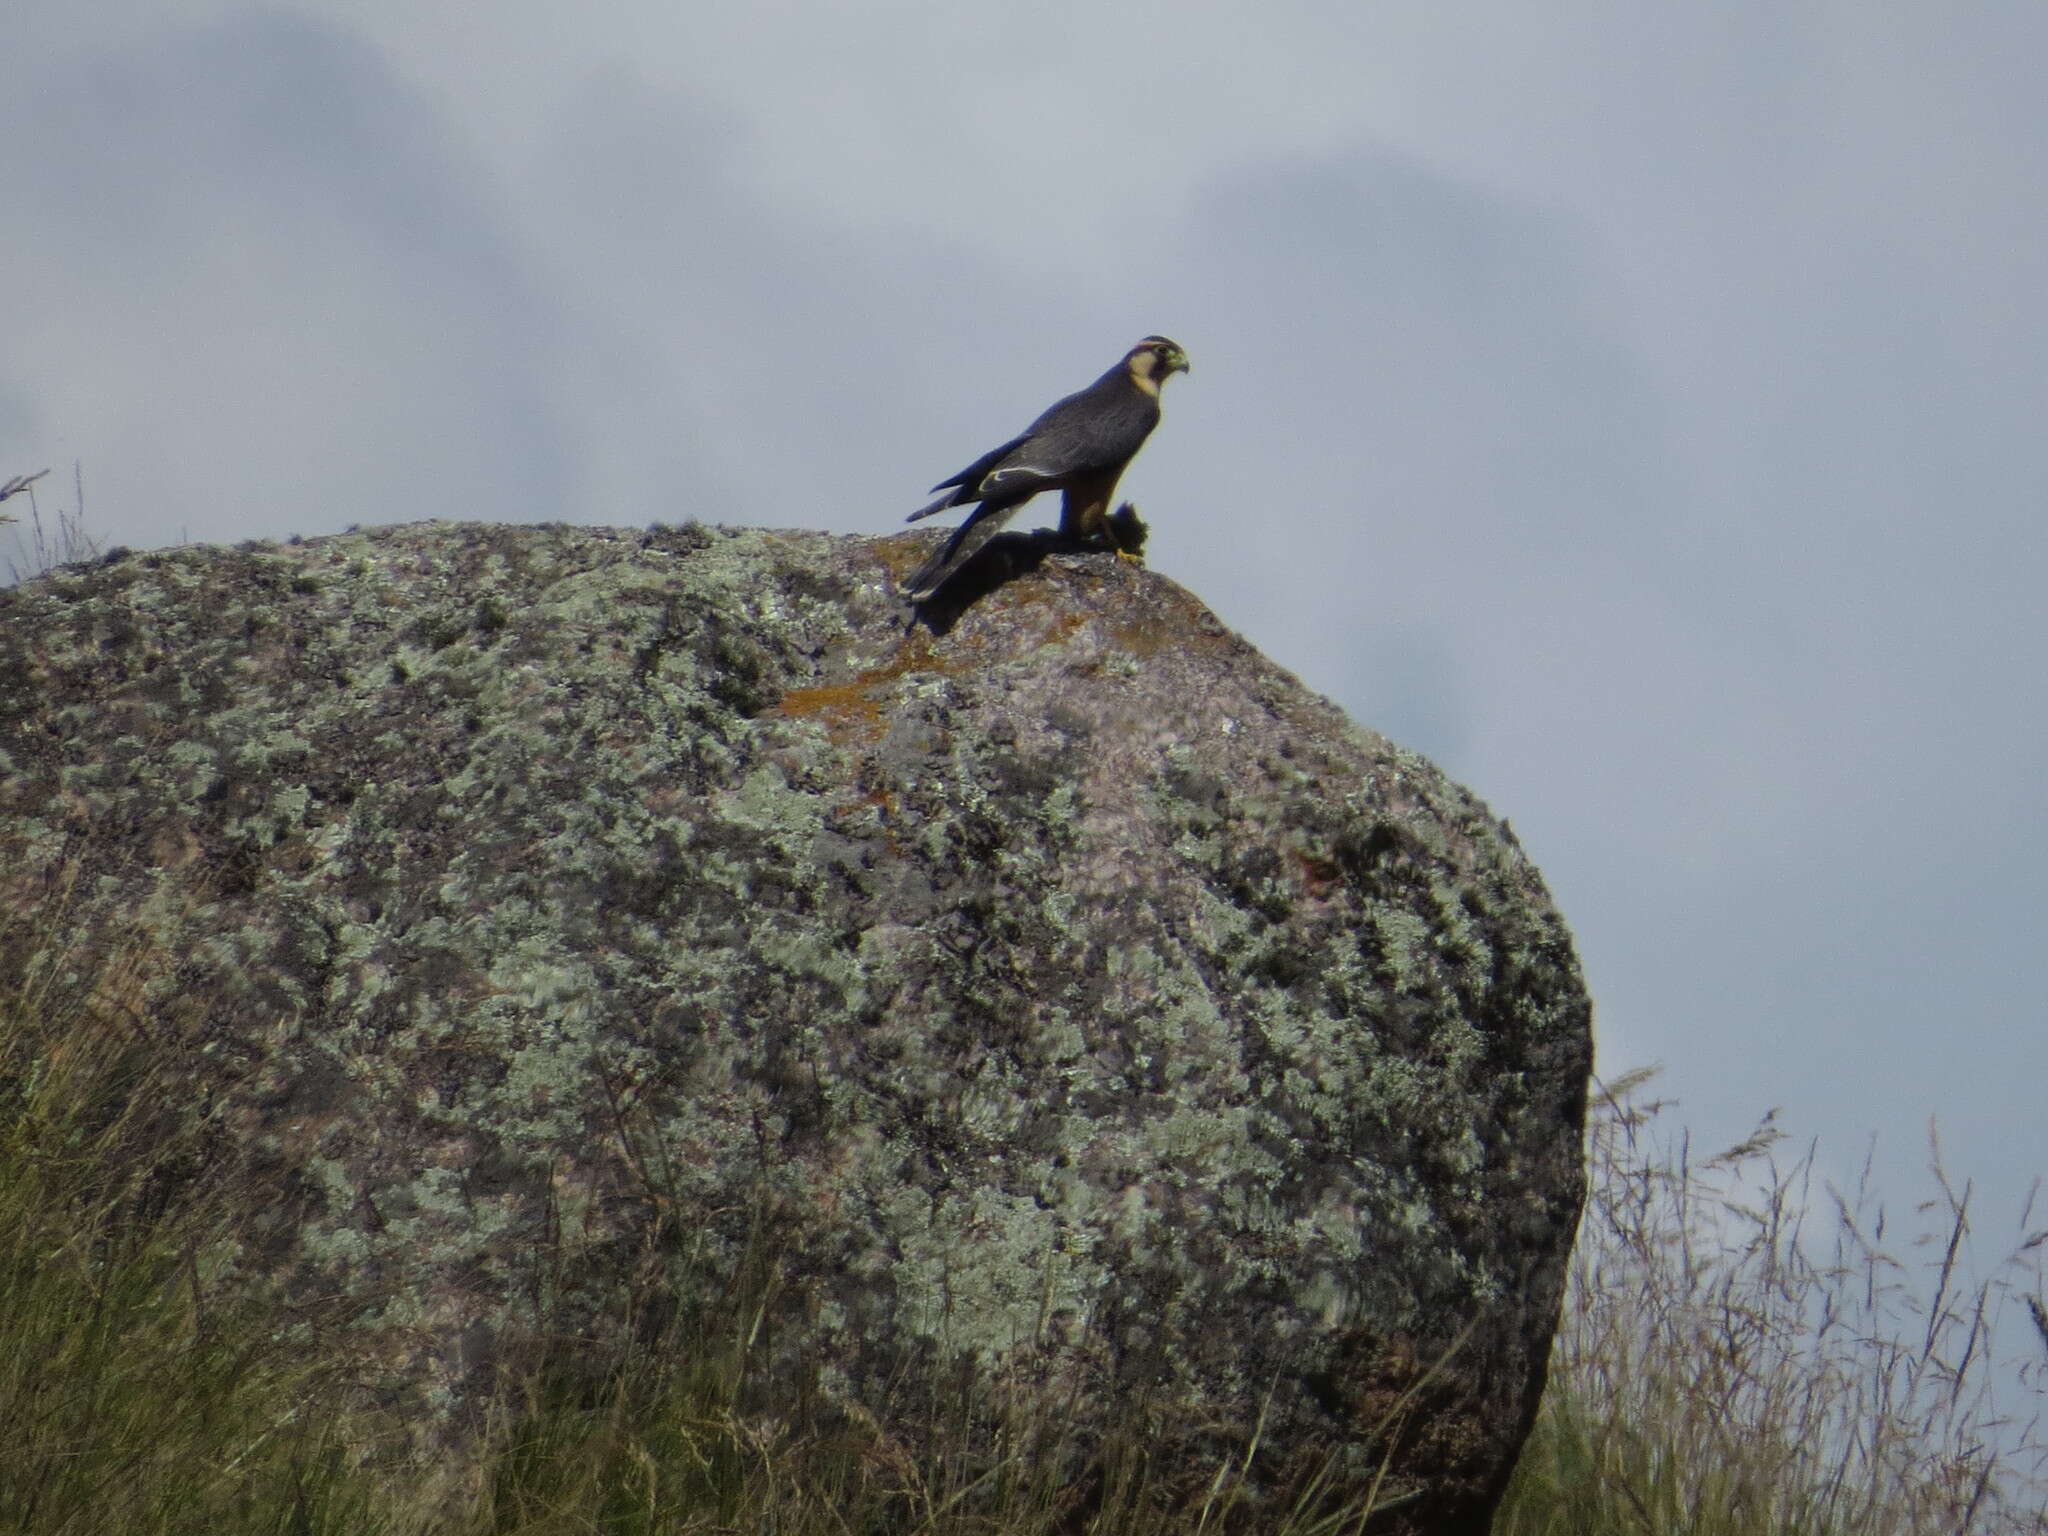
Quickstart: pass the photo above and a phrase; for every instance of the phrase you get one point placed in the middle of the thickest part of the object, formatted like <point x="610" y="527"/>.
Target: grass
<point x="149" y="1383"/>
<point x="142" y="1389"/>
<point x="1720" y="1371"/>
<point x="43" y="546"/>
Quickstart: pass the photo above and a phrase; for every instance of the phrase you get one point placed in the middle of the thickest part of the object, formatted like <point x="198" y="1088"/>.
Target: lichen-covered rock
<point x="1062" y="996"/>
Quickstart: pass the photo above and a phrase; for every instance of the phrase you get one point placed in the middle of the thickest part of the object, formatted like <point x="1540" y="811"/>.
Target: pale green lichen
<point x="520" y="892"/>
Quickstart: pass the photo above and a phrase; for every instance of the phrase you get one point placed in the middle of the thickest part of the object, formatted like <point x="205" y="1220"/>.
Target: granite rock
<point x="1054" y="997"/>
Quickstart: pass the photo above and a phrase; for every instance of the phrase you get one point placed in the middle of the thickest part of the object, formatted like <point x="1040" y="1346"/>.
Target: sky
<point x="1637" y="409"/>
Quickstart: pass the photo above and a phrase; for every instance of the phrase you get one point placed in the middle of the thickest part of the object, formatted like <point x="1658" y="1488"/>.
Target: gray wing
<point x="1095" y="428"/>
<point x="1092" y="430"/>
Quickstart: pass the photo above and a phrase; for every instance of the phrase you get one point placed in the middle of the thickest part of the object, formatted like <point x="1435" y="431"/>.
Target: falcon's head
<point x="1152" y="359"/>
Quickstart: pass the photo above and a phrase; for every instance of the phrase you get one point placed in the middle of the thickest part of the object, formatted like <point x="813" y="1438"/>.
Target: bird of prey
<point x="1079" y="447"/>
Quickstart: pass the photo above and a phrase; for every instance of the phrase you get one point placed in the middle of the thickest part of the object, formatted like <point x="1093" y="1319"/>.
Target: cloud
<point x="263" y="290"/>
<point x="740" y="361"/>
<point x="1638" y="409"/>
<point x="1420" y="415"/>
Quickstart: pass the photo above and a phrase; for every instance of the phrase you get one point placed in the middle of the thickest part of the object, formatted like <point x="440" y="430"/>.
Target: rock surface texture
<point x="1061" y="1001"/>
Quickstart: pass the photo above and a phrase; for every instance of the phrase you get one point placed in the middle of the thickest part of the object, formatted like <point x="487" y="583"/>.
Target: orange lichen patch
<point x="855" y="706"/>
<point x="1144" y="637"/>
<point x="876" y="805"/>
<point x="901" y="553"/>
<point x="1319" y="877"/>
<point x="840" y="707"/>
<point x="1064" y="627"/>
<point x="1163" y="628"/>
<point x="870" y="815"/>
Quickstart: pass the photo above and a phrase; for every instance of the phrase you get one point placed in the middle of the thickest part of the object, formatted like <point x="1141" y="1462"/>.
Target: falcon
<point x="1078" y="447"/>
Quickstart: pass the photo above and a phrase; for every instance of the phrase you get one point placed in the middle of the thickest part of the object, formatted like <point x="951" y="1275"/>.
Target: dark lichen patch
<point x="1073" y="964"/>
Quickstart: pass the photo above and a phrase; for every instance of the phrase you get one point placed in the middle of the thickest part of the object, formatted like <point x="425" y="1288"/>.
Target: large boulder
<point x="1055" y="1001"/>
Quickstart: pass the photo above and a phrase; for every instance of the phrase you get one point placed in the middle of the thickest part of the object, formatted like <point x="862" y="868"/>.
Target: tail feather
<point x="938" y="506"/>
<point x="965" y="544"/>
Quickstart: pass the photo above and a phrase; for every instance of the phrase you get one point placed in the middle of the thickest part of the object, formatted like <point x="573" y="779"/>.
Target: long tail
<point x="965" y="544"/>
<point x="940" y="505"/>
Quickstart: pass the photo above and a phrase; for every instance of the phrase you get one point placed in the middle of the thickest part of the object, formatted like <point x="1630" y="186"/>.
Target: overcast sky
<point x="1639" y="409"/>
